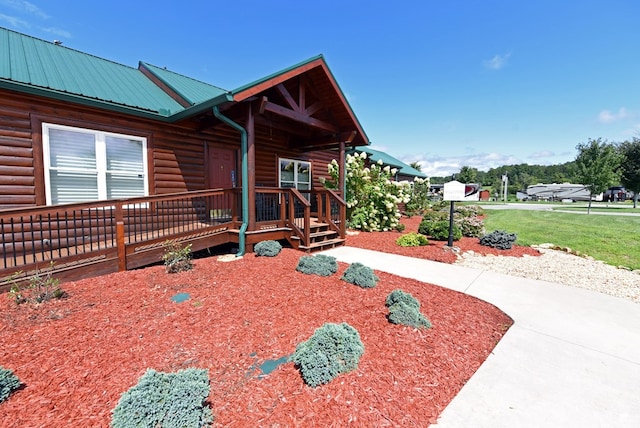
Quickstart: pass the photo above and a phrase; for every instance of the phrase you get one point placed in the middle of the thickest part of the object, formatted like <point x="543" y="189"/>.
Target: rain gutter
<point x="245" y="177"/>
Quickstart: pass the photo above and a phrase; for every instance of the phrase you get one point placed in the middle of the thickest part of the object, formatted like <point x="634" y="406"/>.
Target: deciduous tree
<point x="630" y="167"/>
<point x="597" y="166"/>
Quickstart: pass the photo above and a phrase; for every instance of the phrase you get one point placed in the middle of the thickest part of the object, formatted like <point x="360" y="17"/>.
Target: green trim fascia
<point x="276" y="74"/>
<point x="105" y="105"/>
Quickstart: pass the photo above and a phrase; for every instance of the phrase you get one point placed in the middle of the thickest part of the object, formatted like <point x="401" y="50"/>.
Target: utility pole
<point x="505" y="185"/>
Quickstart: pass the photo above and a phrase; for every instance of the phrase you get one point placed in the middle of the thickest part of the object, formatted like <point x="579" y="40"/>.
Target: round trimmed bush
<point x="360" y="275"/>
<point x="267" y="248"/>
<point x="333" y="349"/>
<point x="320" y="264"/>
<point x="412" y="239"/>
<point x="9" y="382"/>
<point x="440" y="231"/>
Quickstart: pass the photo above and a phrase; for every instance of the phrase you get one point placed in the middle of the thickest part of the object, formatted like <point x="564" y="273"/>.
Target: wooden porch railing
<point x="95" y="238"/>
<point x="109" y="235"/>
<point x="293" y="208"/>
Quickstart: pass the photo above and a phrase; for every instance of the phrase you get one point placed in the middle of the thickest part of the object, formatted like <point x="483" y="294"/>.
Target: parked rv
<point x="558" y="192"/>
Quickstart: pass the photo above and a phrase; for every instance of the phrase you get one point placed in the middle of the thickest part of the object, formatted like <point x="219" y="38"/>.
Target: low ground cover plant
<point x="412" y="239"/>
<point x="167" y="400"/>
<point x="40" y="287"/>
<point x="320" y="264"/>
<point x="360" y="275"/>
<point x="9" y="382"/>
<point x="176" y="257"/>
<point x="405" y="309"/>
<point x="499" y="239"/>
<point x="267" y="248"/>
<point x="333" y="349"/>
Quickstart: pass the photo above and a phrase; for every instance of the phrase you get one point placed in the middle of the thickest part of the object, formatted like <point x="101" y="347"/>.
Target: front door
<point x="222" y="175"/>
<point x="222" y="168"/>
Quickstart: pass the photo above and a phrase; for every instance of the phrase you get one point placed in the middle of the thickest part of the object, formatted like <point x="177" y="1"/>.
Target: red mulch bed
<point x="436" y="250"/>
<point x="76" y="356"/>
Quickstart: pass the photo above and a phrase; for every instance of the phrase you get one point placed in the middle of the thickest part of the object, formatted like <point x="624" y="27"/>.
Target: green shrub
<point x="317" y="265"/>
<point x="405" y="309"/>
<point x="372" y="195"/>
<point x="176" y="257"/>
<point x="167" y="400"/>
<point x="435" y="215"/>
<point x="333" y="349"/>
<point x="499" y="239"/>
<point x="41" y="287"/>
<point x="360" y="275"/>
<point x="412" y="239"/>
<point x="439" y="230"/>
<point x="429" y="219"/>
<point x="267" y="248"/>
<point x="9" y="382"/>
<point x="401" y="313"/>
<point x="400" y="227"/>
<point x="399" y="296"/>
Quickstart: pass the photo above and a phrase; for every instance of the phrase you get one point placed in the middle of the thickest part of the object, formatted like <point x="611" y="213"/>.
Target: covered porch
<point x="81" y="240"/>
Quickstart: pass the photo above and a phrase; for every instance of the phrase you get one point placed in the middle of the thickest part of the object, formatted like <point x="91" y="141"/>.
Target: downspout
<point x="245" y="177"/>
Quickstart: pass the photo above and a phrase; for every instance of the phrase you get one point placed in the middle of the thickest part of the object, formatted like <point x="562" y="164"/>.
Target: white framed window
<point x="83" y="165"/>
<point x="295" y="173"/>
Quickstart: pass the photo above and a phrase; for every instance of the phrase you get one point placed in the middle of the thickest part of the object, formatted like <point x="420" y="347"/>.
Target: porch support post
<point x="342" y="184"/>
<point x="120" y="244"/>
<point x="251" y="166"/>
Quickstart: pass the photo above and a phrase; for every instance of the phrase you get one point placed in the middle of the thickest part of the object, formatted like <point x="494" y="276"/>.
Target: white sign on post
<point x="453" y="191"/>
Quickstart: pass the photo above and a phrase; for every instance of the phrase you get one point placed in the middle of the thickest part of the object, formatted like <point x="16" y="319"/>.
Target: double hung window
<point x="85" y="165"/>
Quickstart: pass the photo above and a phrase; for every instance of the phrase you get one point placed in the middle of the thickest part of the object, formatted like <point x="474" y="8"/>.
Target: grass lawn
<point x="612" y="239"/>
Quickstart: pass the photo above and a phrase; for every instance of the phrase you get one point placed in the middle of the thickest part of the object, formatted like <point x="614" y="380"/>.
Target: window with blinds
<point x="84" y="165"/>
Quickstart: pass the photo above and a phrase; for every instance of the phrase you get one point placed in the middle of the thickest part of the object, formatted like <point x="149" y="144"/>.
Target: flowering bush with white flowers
<point x="372" y="196"/>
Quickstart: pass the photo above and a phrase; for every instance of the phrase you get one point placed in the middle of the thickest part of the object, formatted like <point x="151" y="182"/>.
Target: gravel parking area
<point x="562" y="268"/>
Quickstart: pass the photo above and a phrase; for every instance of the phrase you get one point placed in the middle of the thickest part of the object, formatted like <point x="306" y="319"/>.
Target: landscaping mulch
<point x="436" y="250"/>
<point x="76" y="356"/>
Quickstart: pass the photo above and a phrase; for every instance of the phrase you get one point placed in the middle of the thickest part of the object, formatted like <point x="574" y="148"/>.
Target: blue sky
<point x="446" y="83"/>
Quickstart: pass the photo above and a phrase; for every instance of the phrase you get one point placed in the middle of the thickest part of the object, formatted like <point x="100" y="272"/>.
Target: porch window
<point x="295" y="173"/>
<point x="86" y="165"/>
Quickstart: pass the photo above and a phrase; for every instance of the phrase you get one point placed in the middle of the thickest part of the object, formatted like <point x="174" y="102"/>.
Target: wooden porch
<point x="96" y="238"/>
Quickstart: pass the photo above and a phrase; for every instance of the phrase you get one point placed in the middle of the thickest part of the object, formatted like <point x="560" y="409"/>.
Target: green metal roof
<point x="42" y="68"/>
<point x="192" y="90"/>
<point x="403" y="168"/>
<point x="67" y="73"/>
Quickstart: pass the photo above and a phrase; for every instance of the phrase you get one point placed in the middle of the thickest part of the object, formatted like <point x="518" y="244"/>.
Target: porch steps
<point x="322" y="238"/>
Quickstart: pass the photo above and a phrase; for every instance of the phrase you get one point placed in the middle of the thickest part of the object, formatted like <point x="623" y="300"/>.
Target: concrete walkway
<point x="571" y="359"/>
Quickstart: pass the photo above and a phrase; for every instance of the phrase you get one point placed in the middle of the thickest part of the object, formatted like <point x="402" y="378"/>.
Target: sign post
<point x="453" y="191"/>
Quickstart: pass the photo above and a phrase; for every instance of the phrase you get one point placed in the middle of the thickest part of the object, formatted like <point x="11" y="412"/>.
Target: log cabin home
<point x="101" y="163"/>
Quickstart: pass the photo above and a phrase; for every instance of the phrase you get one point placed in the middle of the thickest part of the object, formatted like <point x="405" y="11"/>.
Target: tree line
<point x="599" y="164"/>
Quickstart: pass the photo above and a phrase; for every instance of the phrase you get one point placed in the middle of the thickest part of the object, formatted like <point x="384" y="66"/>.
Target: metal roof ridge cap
<point x="152" y="71"/>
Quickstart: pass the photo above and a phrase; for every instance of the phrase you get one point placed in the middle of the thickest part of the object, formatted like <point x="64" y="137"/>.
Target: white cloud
<point x="541" y="155"/>
<point x="14" y="22"/>
<point x="606" y="116"/>
<point x="497" y="62"/>
<point x="26" y="7"/>
<point x="439" y="166"/>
